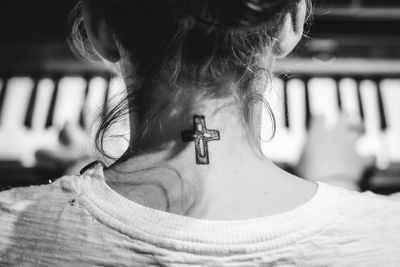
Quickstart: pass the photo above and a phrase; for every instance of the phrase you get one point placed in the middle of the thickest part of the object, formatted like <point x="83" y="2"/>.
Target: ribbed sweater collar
<point x="167" y="229"/>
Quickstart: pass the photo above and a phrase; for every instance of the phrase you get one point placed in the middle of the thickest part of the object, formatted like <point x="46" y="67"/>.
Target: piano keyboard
<point x="372" y="103"/>
<point x="33" y="111"/>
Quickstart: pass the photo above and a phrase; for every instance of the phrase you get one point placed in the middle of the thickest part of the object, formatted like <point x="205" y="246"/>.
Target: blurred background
<point x="349" y="62"/>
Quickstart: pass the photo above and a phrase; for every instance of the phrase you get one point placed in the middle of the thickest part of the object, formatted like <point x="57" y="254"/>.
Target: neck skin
<point x="238" y="183"/>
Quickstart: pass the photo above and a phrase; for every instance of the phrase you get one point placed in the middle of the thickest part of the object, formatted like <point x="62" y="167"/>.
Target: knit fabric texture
<point x="81" y="221"/>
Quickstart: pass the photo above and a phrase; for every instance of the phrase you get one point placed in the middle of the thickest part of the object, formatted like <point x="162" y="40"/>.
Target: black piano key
<point x="338" y="94"/>
<point x="3" y="96"/>
<point x="307" y="104"/>
<point x="82" y="121"/>
<point x="286" y="104"/>
<point x="50" y="115"/>
<point x="381" y="108"/>
<point x="31" y="105"/>
<point x="360" y="103"/>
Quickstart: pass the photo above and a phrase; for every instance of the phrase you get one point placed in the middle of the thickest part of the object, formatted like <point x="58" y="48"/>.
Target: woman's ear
<point x="99" y="33"/>
<point x="291" y="31"/>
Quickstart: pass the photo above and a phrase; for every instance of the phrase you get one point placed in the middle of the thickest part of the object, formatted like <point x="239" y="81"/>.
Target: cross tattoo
<point x="200" y="135"/>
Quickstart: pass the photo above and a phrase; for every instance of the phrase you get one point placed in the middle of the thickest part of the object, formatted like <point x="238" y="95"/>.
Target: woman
<point x="194" y="189"/>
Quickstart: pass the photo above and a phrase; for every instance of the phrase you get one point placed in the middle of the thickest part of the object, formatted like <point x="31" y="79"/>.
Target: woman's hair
<point x="190" y="47"/>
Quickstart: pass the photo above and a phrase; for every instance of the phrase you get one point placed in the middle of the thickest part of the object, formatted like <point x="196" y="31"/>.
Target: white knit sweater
<point x="80" y="221"/>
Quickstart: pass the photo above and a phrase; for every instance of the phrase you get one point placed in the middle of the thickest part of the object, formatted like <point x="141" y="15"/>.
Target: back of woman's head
<point x="193" y="47"/>
<point x="199" y="36"/>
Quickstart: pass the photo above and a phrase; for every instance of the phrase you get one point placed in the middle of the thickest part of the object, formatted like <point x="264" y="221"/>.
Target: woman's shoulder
<point x="365" y="229"/>
<point x="64" y="187"/>
<point x="42" y="204"/>
<point x="61" y="187"/>
<point x="367" y="210"/>
<point x="351" y="200"/>
<point x="373" y="199"/>
<point x="40" y="222"/>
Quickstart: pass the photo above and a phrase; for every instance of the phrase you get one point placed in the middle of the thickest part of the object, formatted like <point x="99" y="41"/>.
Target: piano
<point x="340" y="69"/>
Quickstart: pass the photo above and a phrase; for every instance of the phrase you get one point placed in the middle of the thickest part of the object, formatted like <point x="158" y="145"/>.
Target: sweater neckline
<point x="158" y="226"/>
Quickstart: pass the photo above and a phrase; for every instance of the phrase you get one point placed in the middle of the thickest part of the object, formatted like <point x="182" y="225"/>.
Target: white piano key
<point x="370" y="102"/>
<point x="42" y="104"/>
<point x="277" y="103"/>
<point x="323" y="99"/>
<point x="348" y="91"/>
<point x="275" y="148"/>
<point x="117" y="86"/>
<point x="69" y="101"/>
<point x="274" y="97"/>
<point x="16" y="102"/>
<point x="391" y="96"/>
<point x="114" y="144"/>
<point x="95" y="100"/>
<point x="13" y="133"/>
<point x="371" y="142"/>
<point x="116" y="91"/>
<point x="297" y="105"/>
<point x="297" y="114"/>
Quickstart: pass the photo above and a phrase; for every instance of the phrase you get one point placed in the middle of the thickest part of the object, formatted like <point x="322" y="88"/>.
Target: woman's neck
<point x="204" y="163"/>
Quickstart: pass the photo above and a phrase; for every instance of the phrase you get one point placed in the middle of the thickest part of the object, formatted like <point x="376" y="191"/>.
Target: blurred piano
<point x="350" y="63"/>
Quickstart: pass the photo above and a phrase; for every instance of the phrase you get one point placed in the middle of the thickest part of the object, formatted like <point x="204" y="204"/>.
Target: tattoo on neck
<point x="200" y="135"/>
